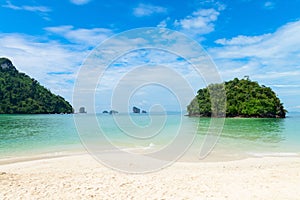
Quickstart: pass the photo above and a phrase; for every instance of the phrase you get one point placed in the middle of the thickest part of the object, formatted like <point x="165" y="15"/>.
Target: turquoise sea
<point x="28" y="135"/>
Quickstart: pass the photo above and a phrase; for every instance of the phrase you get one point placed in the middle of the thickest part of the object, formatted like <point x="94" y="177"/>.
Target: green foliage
<point x="21" y="94"/>
<point x="245" y="98"/>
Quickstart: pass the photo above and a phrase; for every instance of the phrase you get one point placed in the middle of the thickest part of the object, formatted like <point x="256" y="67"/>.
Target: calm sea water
<point x="23" y="135"/>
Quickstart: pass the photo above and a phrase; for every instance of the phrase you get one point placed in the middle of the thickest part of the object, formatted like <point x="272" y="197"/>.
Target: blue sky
<point x="49" y="40"/>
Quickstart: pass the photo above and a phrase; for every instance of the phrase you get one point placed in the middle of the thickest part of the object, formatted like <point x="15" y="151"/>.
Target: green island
<point x="244" y="98"/>
<point x="20" y="94"/>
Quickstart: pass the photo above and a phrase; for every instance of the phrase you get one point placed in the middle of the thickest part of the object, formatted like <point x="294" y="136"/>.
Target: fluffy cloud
<point x="42" y="9"/>
<point x="242" y="40"/>
<point x="164" y="23"/>
<point x="269" y="5"/>
<point x="89" y="37"/>
<point x="273" y="46"/>
<point x="147" y="9"/>
<point x="199" y="23"/>
<point x="80" y="2"/>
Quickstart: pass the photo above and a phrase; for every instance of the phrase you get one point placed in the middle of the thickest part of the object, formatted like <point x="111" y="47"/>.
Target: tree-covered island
<point x="20" y="94"/>
<point x="243" y="97"/>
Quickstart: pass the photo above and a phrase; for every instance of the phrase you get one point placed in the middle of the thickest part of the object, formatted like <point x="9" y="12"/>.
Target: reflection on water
<point x="266" y="130"/>
<point x="254" y="129"/>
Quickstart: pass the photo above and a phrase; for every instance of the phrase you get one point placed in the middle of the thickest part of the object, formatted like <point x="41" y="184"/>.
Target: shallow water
<point x="23" y="135"/>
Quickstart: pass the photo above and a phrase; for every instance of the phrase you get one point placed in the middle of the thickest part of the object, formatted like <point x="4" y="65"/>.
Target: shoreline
<point x="219" y="154"/>
<point x="39" y="156"/>
<point x="80" y="176"/>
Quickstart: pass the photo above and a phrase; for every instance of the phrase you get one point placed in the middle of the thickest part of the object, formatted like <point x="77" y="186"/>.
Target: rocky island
<point x="138" y="110"/>
<point x="245" y="98"/>
<point x="21" y="94"/>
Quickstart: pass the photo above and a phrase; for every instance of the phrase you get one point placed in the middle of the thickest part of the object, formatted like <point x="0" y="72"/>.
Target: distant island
<point x="20" y="94"/>
<point x="82" y="110"/>
<point x="111" y="112"/>
<point x="245" y="98"/>
<point x="138" y="110"/>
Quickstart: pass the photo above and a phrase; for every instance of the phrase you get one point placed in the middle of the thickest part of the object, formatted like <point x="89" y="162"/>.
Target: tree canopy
<point x="244" y="98"/>
<point x="20" y="94"/>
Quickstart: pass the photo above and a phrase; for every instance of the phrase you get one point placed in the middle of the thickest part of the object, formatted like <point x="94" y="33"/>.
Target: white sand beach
<point x="81" y="177"/>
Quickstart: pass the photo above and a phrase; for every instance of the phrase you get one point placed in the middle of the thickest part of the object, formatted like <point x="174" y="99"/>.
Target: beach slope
<point x="81" y="177"/>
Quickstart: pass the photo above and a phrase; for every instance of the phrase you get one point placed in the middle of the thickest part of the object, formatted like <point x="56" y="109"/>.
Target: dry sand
<point x="81" y="177"/>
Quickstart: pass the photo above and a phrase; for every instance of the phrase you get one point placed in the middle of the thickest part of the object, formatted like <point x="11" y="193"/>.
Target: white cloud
<point x="277" y="75"/>
<point x="286" y="86"/>
<point x="41" y="9"/>
<point x="209" y="4"/>
<point x="147" y="9"/>
<point x="199" y="23"/>
<point x="80" y="2"/>
<point x="89" y="37"/>
<point x="164" y="23"/>
<point x="269" y="5"/>
<point x="273" y="46"/>
<point x="242" y="40"/>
